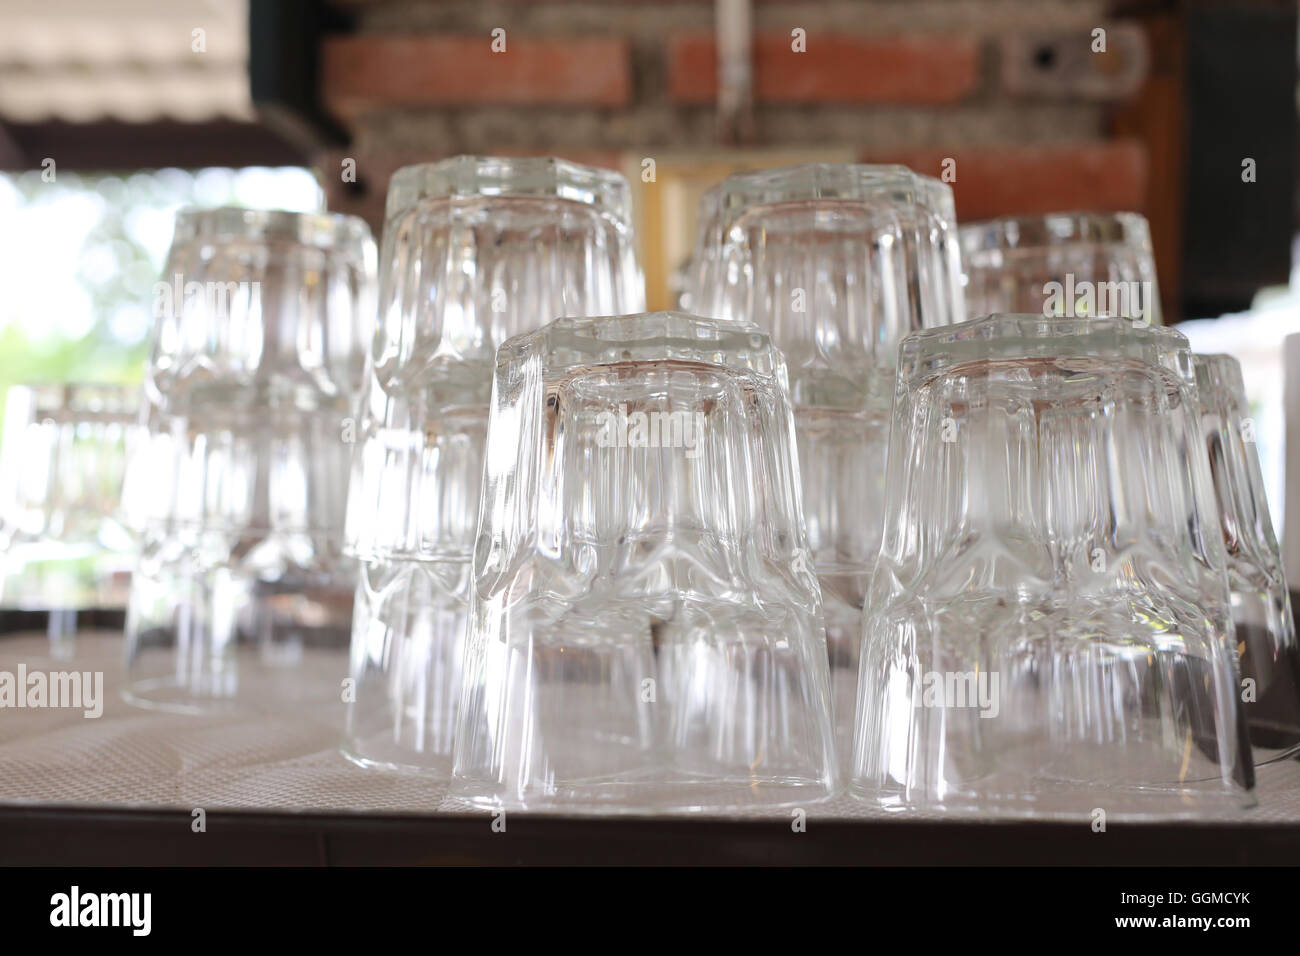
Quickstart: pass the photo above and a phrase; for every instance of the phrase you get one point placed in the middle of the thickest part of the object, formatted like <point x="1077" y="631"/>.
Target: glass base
<point x="1011" y="796"/>
<point x="408" y="635"/>
<point x="643" y="796"/>
<point x="252" y="678"/>
<point x="1284" y="745"/>
<point x="1076" y="806"/>
<point x="380" y="752"/>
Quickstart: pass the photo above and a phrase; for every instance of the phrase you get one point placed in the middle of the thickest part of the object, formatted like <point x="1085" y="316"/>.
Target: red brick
<point x="1101" y="176"/>
<point x="368" y="72"/>
<point x="835" y="69"/>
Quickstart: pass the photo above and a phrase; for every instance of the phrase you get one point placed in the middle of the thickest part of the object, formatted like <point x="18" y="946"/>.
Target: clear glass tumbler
<point x="63" y="550"/>
<point x="1068" y="265"/>
<point x="412" y="515"/>
<point x="1048" y="629"/>
<point x="1261" y="604"/>
<point x="240" y="492"/>
<point x="476" y="249"/>
<point x="645" y="626"/>
<point x="837" y="263"/>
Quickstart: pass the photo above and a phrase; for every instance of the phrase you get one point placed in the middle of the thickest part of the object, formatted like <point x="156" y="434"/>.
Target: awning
<point x="127" y="60"/>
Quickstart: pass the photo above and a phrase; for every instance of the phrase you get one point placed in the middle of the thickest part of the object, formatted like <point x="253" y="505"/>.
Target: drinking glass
<point x="1261" y="604"/>
<point x="1069" y="264"/>
<point x="240" y="490"/>
<point x="62" y="549"/>
<point x="475" y="250"/>
<point x="1048" y="629"/>
<point x="837" y="263"/>
<point x="412" y="515"/>
<point x="645" y="626"/>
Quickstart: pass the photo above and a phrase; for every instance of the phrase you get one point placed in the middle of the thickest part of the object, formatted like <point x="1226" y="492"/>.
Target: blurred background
<point x="114" y="113"/>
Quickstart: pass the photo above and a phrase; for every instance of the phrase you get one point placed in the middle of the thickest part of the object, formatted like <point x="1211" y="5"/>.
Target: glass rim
<point x="656" y="336"/>
<point x="510" y="177"/>
<point x="830" y="182"/>
<point x="320" y="229"/>
<point x="1011" y="336"/>
<point x="1052" y="229"/>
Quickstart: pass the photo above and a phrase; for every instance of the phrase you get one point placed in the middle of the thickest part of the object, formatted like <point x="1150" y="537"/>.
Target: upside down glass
<point x="240" y="490"/>
<point x="645" y="627"/>
<point x="837" y="263"/>
<point x="62" y="548"/>
<point x="1048" y="629"/>
<point x="412" y="513"/>
<point x="1261" y="603"/>
<point x="1068" y="265"/>
<point x="475" y="249"/>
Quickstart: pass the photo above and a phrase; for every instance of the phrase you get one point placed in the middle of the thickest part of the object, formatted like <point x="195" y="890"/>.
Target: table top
<point x="125" y="787"/>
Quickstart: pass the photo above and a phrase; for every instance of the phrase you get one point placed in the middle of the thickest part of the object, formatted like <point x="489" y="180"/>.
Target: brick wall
<point x="1010" y="89"/>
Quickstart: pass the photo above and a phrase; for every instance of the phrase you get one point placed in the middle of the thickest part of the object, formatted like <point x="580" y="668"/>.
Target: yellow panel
<point x="665" y="209"/>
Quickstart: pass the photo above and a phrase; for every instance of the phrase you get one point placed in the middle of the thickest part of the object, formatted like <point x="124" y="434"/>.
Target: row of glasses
<point x="475" y="250"/>
<point x="238" y="494"/>
<point x="1080" y="266"/>
<point x="1086" y="265"/>
<point x="587" y="578"/>
<point x="1049" y="630"/>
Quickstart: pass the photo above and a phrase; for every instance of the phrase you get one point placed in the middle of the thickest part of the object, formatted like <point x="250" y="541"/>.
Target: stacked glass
<point x="1084" y="265"/>
<point x="645" y="626"/>
<point x="475" y="250"/>
<point x="239" y="493"/>
<point x="1069" y="264"/>
<point x="1048" y="629"/>
<point x="62" y="549"/>
<point x="837" y="263"/>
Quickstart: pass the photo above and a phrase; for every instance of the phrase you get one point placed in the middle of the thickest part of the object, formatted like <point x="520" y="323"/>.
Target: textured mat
<point x="130" y="757"/>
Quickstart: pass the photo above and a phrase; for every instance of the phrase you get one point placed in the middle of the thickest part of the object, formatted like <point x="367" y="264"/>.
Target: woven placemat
<point x="289" y="762"/>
